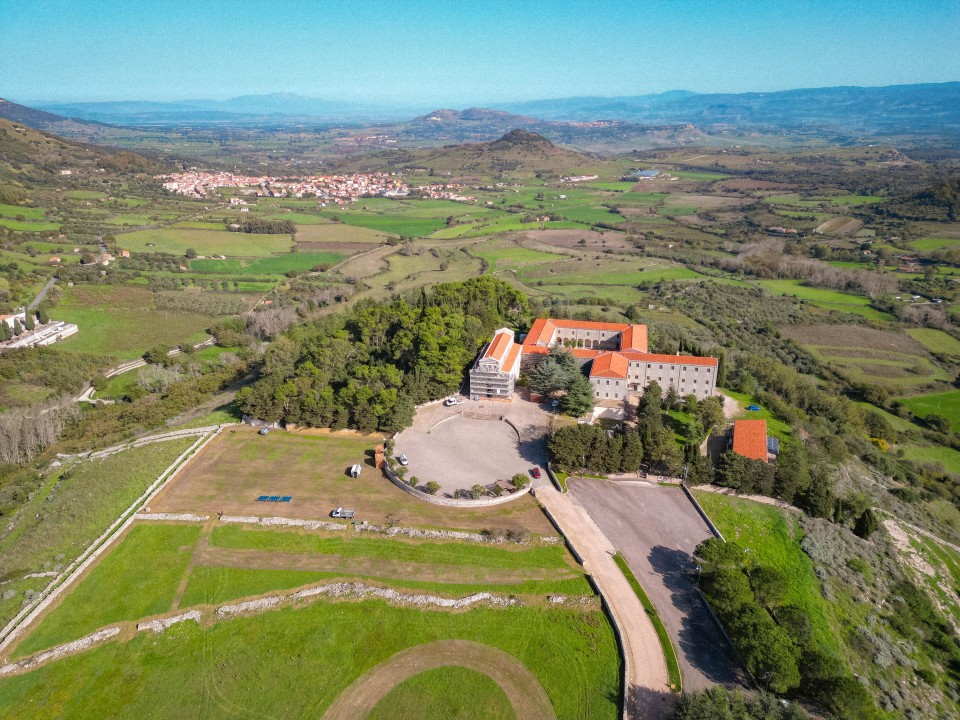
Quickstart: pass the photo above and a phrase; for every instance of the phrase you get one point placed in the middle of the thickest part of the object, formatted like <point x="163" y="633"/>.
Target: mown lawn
<point x="450" y="692"/>
<point x="947" y="458"/>
<point x="445" y="553"/>
<point x="296" y="662"/>
<point x="137" y="578"/>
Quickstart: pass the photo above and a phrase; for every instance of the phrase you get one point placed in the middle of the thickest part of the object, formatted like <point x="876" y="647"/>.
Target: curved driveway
<point x="648" y="693"/>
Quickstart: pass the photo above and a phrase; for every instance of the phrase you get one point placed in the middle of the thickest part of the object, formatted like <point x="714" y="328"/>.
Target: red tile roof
<point x="540" y="333"/>
<point x="512" y="358"/>
<point x="497" y="349"/>
<point x="634" y="338"/>
<point x="589" y="325"/>
<point x="750" y="439"/>
<point x="610" y="365"/>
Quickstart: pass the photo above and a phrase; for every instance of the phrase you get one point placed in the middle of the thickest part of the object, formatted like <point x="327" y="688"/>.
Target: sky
<point x="455" y="53"/>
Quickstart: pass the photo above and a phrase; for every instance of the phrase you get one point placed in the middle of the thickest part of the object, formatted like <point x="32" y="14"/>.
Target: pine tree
<point x="28" y="321"/>
<point x="5" y="333"/>
<point x="17" y="327"/>
<point x="42" y="314"/>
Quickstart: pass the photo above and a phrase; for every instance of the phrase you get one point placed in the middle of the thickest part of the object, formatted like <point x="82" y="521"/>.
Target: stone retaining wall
<point x="452" y="502"/>
<point x="162" y="624"/>
<point x="59" y="584"/>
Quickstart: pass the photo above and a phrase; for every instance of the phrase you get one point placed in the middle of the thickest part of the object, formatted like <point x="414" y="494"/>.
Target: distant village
<point x="336" y="189"/>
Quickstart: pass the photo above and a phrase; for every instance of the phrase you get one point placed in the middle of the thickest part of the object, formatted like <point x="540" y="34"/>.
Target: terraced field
<point x="866" y="355"/>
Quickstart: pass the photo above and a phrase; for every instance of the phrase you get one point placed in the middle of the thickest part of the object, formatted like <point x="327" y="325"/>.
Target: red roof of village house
<point x="750" y="439"/>
<point x="497" y="348"/>
<point x="610" y="365"/>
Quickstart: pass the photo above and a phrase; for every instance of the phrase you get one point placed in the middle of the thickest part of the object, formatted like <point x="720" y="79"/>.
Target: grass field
<point x="274" y="265"/>
<point x="28" y="226"/>
<point x="936" y="341"/>
<point x="947" y="458"/>
<point x="824" y="298"/>
<point x="72" y="508"/>
<point x="774" y="541"/>
<point x="929" y="244"/>
<point x="295" y="662"/>
<point x="85" y="195"/>
<point x="946" y="404"/>
<point x="136" y="579"/>
<point x="240" y="465"/>
<point x="410" y="226"/>
<point x="452" y="692"/>
<point x="27" y="213"/>
<point x="176" y="241"/>
<point x="122" y="322"/>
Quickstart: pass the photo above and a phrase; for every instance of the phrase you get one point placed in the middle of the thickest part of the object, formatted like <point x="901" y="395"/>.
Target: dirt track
<point x="523" y="690"/>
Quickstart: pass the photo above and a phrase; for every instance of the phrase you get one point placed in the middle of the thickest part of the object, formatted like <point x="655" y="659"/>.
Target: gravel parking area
<point x="466" y="445"/>
<point x="657" y="529"/>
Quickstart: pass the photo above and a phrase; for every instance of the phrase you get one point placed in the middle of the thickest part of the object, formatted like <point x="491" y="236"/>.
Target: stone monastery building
<point x="619" y="364"/>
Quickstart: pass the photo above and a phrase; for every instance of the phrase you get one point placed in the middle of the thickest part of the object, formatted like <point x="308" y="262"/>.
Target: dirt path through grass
<point x="523" y="690"/>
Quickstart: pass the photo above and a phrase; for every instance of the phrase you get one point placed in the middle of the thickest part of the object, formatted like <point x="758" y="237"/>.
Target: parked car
<point x="402" y="459"/>
<point x="452" y="401"/>
<point x="535" y="472"/>
<point x="343" y="514"/>
<point x="264" y="431"/>
<point x="355" y="470"/>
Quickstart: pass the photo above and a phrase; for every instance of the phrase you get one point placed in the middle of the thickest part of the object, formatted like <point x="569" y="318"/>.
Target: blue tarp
<point x="773" y="445"/>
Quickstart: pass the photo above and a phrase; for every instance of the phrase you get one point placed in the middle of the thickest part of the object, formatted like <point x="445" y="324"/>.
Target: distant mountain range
<point x="894" y="109"/>
<point x="245" y="110"/>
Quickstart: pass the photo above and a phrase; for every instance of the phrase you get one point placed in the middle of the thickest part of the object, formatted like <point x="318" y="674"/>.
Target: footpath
<point x="647" y="691"/>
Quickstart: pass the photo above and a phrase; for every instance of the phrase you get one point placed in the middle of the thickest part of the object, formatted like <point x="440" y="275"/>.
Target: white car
<point x="355" y="470"/>
<point x="402" y="459"/>
<point x="450" y="401"/>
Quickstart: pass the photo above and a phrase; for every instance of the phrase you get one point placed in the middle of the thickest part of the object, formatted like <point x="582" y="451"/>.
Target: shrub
<point x="519" y="481"/>
<point x="431" y="488"/>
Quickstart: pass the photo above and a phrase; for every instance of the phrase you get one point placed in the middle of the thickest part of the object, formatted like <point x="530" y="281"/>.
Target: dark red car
<point x="536" y="473"/>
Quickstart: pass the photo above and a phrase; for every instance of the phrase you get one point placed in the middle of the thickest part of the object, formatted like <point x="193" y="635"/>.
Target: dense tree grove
<point x="718" y="703"/>
<point x="262" y="226"/>
<point x="772" y="638"/>
<point x="560" y="375"/>
<point x="368" y="368"/>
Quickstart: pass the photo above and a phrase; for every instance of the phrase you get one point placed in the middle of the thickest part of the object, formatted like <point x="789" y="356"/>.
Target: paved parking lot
<point x="657" y="529"/>
<point x="466" y="445"/>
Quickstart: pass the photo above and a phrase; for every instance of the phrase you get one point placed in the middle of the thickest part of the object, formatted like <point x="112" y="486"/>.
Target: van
<point x="355" y="470"/>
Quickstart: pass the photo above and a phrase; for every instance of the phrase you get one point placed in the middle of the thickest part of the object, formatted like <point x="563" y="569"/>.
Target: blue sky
<point x="454" y="53"/>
